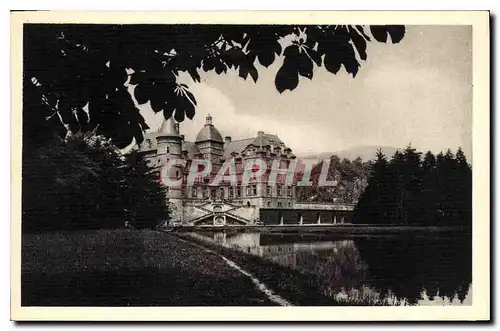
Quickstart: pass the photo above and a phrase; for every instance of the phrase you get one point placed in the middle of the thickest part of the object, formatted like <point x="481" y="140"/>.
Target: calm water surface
<point x="402" y="269"/>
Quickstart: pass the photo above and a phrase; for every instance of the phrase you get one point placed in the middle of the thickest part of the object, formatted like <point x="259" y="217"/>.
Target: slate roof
<point x="191" y="148"/>
<point x="236" y="146"/>
<point x="263" y="140"/>
<point x="266" y="139"/>
<point x="209" y="132"/>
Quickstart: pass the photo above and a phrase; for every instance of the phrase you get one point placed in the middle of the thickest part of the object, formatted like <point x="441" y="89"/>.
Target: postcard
<point x="250" y="166"/>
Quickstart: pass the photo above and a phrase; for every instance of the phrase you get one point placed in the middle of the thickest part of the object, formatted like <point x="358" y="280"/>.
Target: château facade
<point x="226" y="202"/>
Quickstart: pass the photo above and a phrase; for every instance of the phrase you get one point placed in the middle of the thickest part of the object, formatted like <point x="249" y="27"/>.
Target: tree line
<point x="84" y="182"/>
<point x="410" y="189"/>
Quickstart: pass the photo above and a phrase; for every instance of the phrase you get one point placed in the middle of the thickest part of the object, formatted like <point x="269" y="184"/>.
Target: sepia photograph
<point x="224" y="161"/>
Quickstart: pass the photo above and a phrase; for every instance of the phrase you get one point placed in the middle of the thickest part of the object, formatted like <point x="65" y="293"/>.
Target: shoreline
<point x="323" y="229"/>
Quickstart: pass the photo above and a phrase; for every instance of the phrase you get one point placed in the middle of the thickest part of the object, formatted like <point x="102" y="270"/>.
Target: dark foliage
<point x="85" y="183"/>
<point x="351" y="179"/>
<point x="70" y="68"/>
<point x="410" y="191"/>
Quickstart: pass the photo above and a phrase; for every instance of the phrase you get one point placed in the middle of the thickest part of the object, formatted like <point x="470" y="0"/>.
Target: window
<point x="251" y="190"/>
<point x="194" y="192"/>
<point x="205" y="193"/>
<point x="279" y="204"/>
<point x="248" y="203"/>
<point x="289" y="191"/>
<point x="231" y="192"/>
<point x="221" y="192"/>
<point x="278" y="190"/>
<point x="269" y="191"/>
<point x="168" y="149"/>
<point x="269" y="203"/>
<point x="213" y="193"/>
<point x="177" y="174"/>
<point x="148" y="142"/>
<point x="238" y="191"/>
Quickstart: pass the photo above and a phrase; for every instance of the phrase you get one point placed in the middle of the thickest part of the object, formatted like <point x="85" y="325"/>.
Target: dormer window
<point x="148" y="143"/>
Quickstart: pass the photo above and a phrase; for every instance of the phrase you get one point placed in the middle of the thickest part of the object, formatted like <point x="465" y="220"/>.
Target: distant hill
<point x="366" y="153"/>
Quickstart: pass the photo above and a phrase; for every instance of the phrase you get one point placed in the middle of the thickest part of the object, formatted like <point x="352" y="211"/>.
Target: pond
<point x="399" y="269"/>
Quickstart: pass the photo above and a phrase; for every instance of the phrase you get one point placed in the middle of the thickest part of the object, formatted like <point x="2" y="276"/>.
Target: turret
<point x="209" y="141"/>
<point x="169" y="144"/>
<point x="168" y="138"/>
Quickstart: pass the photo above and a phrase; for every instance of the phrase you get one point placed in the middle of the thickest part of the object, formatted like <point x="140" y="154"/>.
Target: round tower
<point x="169" y="147"/>
<point x="209" y="142"/>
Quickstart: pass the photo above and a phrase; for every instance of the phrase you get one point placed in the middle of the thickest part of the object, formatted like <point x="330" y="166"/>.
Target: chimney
<point x="227" y="140"/>
<point x="176" y="126"/>
<point x="260" y="133"/>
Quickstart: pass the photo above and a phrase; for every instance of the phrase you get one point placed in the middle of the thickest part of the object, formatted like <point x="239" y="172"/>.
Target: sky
<point x="418" y="91"/>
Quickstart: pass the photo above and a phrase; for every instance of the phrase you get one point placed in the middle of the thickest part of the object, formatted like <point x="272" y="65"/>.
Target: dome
<point x="209" y="132"/>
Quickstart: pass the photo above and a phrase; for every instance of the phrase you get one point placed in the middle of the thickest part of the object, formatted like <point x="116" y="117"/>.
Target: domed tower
<point x="169" y="147"/>
<point x="209" y="142"/>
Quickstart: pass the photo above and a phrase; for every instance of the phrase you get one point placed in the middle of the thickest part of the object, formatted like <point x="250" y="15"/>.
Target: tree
<point x="463" y="196"/>
<point x="412" y="185"/>
<point x="372" y="206"/>
<point x="74" y="74"/>
<point x="84" y="182"/>
<point x="429" y="203"/>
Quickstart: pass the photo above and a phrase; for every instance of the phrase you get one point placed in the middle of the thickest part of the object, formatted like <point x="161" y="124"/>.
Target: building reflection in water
<point x="398" y="269"/>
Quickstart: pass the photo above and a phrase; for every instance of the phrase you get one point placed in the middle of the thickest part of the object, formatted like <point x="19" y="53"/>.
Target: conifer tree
<point x="409" y="191"/>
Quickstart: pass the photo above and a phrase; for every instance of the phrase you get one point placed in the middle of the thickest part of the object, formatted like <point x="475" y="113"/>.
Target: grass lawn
<point x="127" y="268"/>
